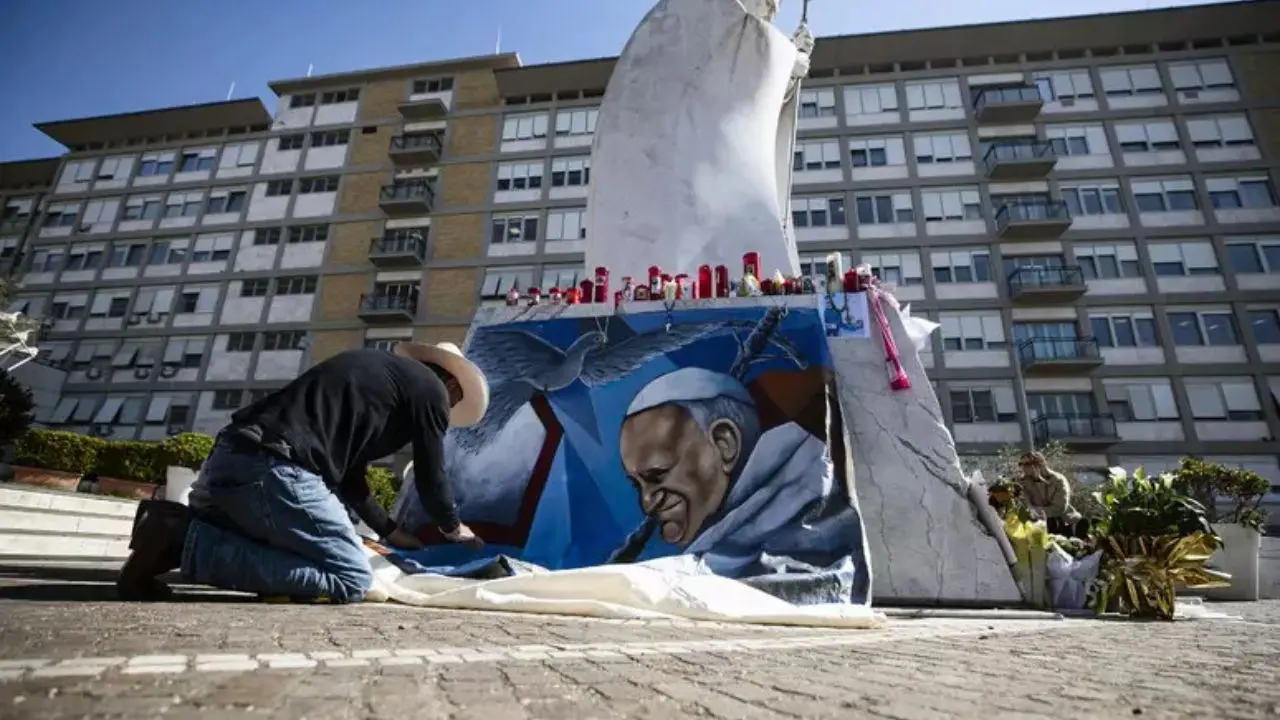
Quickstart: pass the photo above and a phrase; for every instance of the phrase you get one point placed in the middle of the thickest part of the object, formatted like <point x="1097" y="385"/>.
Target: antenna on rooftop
<point x="497" y="47"/>
<point x="232" y="90"/>
<point x="310" y="66"/>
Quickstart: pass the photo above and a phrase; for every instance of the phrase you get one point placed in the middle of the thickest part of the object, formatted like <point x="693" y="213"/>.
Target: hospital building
<point x="1087" y="206"/>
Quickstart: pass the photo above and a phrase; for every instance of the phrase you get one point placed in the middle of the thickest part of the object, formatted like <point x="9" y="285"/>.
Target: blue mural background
<point x="588" y="506"/>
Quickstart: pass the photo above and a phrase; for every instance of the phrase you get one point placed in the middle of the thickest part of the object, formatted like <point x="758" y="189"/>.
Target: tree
<point x="1004" y="465"/>
<point x="16" y="405"/>
<point x="10" y="325"/>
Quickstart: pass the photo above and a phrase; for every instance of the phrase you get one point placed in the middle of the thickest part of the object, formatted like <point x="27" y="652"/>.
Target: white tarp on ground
<point x="671" y="587"/>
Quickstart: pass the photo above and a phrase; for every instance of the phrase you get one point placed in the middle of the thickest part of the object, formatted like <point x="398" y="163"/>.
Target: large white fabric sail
<point x="691" y="161"/>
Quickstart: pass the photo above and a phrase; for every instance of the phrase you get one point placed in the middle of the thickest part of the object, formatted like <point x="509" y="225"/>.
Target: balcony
<point x="1059" y="356"/>
<point x="418" y="150"/>
<point x="1018" y="160"/>
<point x="1015" y="104"/>
<point x="1077" y="430"/>
<point x="377" y="308"/>
<point x="427" y="108"/>
<point x="407" y="198"/>
<point x="1037" y="220"/>
<point x="13" y="226"/>
<point x="398" y="251"/>
<point x="1047" y="284"/>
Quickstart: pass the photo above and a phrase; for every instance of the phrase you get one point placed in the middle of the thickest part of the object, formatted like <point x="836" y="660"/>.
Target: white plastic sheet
<point x="1069" y="578"/>
<point x="671" y="587"/>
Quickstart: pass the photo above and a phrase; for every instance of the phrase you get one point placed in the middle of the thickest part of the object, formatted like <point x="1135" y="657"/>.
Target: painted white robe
<point x="691" y="162"/>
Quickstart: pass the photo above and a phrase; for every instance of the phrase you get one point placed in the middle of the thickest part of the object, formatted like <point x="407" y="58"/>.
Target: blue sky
<point x="78" y="58"/>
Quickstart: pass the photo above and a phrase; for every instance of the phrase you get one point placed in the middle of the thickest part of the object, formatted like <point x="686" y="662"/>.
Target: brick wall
<point x="454" y="237"/>
<point x="340" y="295"/>
<point x="452" y="292"/>
<point x="1260" y="79"/>
<point x="327" y="343"/>
<point x="455" y="334"/>
<point x="476" y="89"/>
<point x="371" y="148"/>
<point x="349" y="242"/>
<point x="466" y="183"/>
<point x="381" y="100"/>
<point x="360" y="192"/>
<point x="474" y="135"/>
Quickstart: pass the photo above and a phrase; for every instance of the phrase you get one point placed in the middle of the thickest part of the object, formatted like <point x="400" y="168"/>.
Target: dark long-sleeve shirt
<point x="357" y="407"/>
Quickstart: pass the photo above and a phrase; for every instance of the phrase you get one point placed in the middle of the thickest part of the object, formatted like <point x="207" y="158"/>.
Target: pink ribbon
<point x="898" y="379"/>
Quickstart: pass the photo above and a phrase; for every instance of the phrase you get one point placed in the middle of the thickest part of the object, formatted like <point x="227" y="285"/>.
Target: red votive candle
<point x="571" y="296"/>
<point x="655" y="280"/>
<point x="850" y="281"/>
<point x="535" y="296"/>
<point x="751" y="264"/>
<point x="722" y="281"/>
<point x="586" y="291"/>
<point x="682" y="280"/>
<point x="663" y="279"/>
<point x="602" y="284"/>
<point x="705" y="288"/>
<point x="617" y="299"/>
<point x="789" y="286"/>
<point x="766" y="287"/>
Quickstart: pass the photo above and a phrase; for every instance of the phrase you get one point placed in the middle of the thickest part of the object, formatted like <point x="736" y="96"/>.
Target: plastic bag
<point x="1069" y="578"/>
<point x="918" y="329"/>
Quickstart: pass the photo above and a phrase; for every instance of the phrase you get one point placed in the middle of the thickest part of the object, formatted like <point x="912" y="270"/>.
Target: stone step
<point x="66" y="523"/>
<point x="47" y="526"/>
<point x="33" y="499"/>
<point x="29" y="544"/>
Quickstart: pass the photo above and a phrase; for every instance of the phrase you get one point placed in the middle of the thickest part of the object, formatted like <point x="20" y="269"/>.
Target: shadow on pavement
<point x="91" y="584"/>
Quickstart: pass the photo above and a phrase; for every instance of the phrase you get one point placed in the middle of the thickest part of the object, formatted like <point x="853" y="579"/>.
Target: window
<point x="817" y="212"/>
<point x="432" y="85"/>
<point x="266" y="236"/>
<point x="896" y="268"/>
<point x="254" y="288"/>
<point x="226" y="202"/>
<point x="980" y="331"/>
<point x="818" y="103"/>
<point x="566" y="225"/>
<point x="1244" y="192"/>
<point x="514" y="229"/>
<point x="241" y="342"/>
<point x="1212" y="74"/>
<point x="168" y="252"/>
<point x="1099" y="198"/>
<point x="126" y="255"/>
<point x="1171" y="195"/>
<point x="815" y="266"/>
<point x="330" y="138"/>
<point x="520" y="176"/>
<point x="303" y="100"/>
<point x="819" y="155"/>
<point x="1234" y="399"/>
<point x="870" y="99"/>
<point x="942" y="148"/>
<point x="297" y="285"/>
<point x="83" y="258"/>
<point x="1184" y="258"/>
<point x="562" y="276"/>
<point x="1221" y="131"/>
<point x="183" y="204"/>
<point x="334" y="97"/>
<point x="242" y="155"/>
<point x="885" y="208"/>
<point x="1130" y="80"/>
<point x="1061" y="405"/>
<point x="156" y="165"/>
<point x="291" y="142"/>
<point x="1149" y="401"/>
<point x="188" y="302"/>
<point x="228" y="399"/>
<point x="110" y="304"/>
<point x="961" y="266"/>
<point x="115" y="168"/>
<point x="212" y="248"/>
<point x="306" y="234"/>
<point x="1209" y="327"/>
<point x="196" y="160"/>
<point x="384" y="344"/>
<point x="61" y="215"/>
<point x="982" y="405"/>
<point x="287" y="340"/>
<point x="139" y="208"/>
<point x="327" y="183"/>
<point x="877" y="152"/>
<point x="1149" y="136"/>
<point x="951" y="204"/>
<point x="72" y="308"/>
<point x="1265" y="325"/>
<point x="1066" y="85"/>
<point x="1254" y="257"/>
<point x="1068" y="140"/>
<point x="571" y="123"/>
<point x="1124" y="329"/>
<point x="571" y="172"/>
<point x="1108" y="262"/>
<point x="524" y="127"/>
<point x="77" y="172"/>
<point x="43" y="261"/>
<point x="930" y="95"/>
<point x="499" y="281"/>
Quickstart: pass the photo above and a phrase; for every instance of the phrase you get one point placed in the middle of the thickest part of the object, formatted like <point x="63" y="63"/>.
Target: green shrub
<point x="130" y="460"/>
<point x="16" y="405"/>
<point x="187" y="450"/>
<point x="58" y="450"/>
<point x="383" y="485"/>
<point x="1242" y="489"/>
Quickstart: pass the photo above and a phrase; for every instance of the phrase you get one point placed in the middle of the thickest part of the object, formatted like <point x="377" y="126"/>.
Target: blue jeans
<point x="264" y="525"/>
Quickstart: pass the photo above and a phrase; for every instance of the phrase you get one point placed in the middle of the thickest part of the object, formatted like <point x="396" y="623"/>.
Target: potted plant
<point x="1155" y="540"/>
<point x="1232" y="499"/>
<point x="55" y="459"/>
<point x="182" y="455"/>
<point x="129" y="469"/>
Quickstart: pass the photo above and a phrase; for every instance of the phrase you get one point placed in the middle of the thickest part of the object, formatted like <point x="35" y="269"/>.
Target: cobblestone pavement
<point x="68" y="651"/>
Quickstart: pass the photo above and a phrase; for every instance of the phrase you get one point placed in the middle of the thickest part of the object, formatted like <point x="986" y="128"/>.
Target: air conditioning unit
<point x="85" y="227"/>
<point x="154" y="318"/>
<point x="176" y="429"/>
<point x="168" y="371"/>
<point x="93" y="373"/>
<point x="1190" y="94"/>
<point x="134" y="320"/>
<point x="142" y="373"/>
<point x="103" y="430"/>
<point x="1067" y="102"/>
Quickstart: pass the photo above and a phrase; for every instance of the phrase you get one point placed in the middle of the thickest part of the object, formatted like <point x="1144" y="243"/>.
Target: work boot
<point x="159" y="533"/>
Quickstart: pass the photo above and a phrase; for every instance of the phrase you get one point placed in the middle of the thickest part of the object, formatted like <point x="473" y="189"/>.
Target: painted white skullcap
<point x="688" y="385"/>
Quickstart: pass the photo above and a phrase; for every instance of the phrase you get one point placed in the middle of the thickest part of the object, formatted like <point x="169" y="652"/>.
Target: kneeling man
<point x="267" y="515"/>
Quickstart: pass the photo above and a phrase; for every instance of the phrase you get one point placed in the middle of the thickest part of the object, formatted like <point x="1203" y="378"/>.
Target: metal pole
<point x="1020" y="393"/>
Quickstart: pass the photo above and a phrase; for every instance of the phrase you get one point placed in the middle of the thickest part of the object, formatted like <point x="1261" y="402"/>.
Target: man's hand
<point x="403" y="540"/>
<point x="464" y="536"/>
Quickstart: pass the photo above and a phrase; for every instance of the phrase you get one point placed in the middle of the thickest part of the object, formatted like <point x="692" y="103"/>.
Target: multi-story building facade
<point x="1087" y="206"/>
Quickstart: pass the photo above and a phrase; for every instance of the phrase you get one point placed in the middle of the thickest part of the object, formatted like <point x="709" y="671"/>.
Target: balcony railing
<point x="417" y="196"/>
<point x="1046" y="428"/>
<point x="1019" y="158"/>
<point x="1008" y="104"/>
<point x="1032" y="278"/>
<point x="429" y="141"/>
<point x="1051" y="215"/>
<point x="398" y="249"/>
<point x="1039" y="350"/>
<point x="376" y="304"/>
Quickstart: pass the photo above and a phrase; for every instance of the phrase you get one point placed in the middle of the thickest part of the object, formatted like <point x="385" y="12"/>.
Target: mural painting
<point x="626" y="438"/>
